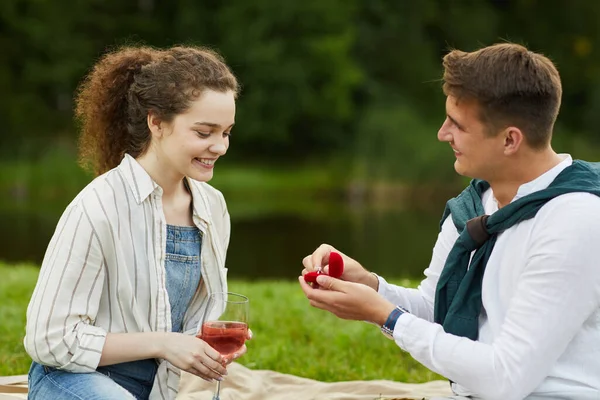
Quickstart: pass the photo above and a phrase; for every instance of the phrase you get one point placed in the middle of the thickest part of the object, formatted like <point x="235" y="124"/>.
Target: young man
<point x="510" y="306"/>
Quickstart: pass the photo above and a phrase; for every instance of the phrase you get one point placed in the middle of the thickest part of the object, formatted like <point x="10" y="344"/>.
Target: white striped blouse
<point x="104" y="271"/>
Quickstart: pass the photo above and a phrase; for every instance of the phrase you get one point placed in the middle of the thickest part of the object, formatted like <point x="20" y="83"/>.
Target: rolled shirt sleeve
<point x="65" y="301"/>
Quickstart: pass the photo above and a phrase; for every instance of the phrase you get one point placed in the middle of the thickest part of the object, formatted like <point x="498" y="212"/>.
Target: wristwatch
<point x="388" y="328"/>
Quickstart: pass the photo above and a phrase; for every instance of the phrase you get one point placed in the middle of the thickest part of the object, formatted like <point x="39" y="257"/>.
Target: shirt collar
<point x="140" y="182"/>
<point x="200" y="203"/>
<point x="142" y="185"/>
<point x="544" y="180"/>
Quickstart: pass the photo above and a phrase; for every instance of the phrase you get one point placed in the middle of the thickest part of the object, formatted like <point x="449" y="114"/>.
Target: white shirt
<point x="104" y="271"/>
<point x="539" y="332"/>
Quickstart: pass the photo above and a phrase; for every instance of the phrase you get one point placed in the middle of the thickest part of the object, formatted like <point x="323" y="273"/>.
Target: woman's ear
<point x="513" y="140"/>
<point x="155" y="124"/>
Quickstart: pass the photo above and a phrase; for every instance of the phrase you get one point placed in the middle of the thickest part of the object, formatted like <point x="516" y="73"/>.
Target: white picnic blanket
<point x="246" y="384"/>
<point x="242" y="383"/>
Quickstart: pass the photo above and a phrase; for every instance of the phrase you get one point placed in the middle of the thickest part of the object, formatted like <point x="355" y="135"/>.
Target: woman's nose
<point x="219" y="147"/>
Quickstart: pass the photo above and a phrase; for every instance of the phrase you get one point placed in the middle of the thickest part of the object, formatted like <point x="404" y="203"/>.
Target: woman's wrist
<point x="125" y="347"/>
<point x="162" y="339"/>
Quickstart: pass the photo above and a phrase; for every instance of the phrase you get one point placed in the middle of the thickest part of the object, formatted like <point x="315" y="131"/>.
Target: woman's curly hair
<point x="113" y="102"/>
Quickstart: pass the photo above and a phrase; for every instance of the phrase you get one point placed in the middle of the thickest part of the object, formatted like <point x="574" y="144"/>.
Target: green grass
<point x="289" y="335"/>
<point x="15" y="288"/>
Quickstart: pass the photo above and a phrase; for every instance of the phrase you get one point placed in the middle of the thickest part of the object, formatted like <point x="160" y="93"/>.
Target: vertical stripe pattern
<point x="104" y="271"/>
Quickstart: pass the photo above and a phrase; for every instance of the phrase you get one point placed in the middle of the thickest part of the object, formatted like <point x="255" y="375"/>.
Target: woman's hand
<point x="186" y="352"/>
<point x="240" y="352"/>
<point x="193" y="355"/>
<point x="353" y="271"/>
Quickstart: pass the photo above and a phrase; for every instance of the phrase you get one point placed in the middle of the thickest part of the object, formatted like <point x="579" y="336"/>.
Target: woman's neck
<point x="171" y="182"/>
<point x="176" y="198"/>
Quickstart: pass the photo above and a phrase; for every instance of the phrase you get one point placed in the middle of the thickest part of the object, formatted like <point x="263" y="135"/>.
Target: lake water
<point x="395" y="242"/>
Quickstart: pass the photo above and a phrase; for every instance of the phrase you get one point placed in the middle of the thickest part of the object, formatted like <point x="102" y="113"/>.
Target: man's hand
<point x="347" y="300"/>
<point x="353" y="271"/>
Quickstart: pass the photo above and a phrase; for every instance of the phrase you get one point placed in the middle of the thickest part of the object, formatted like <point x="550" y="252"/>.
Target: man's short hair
<point x="512" y="85"/>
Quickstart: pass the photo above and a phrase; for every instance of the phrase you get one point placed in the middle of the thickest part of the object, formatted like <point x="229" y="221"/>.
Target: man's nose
<point x="444" y="134"/>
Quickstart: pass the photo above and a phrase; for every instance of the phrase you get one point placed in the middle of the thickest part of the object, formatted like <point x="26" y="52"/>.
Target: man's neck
<point x="520" y="171"/>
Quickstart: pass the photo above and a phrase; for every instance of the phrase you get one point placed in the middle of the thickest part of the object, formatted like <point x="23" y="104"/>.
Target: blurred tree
<point x="397" y="51"/>
<point x="568" y="33"/>
<point x="295" y="62"/>
<point x="319" y="76"/>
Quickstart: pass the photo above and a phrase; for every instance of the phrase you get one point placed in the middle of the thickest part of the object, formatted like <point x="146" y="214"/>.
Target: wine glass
<point x="225" y="325"/>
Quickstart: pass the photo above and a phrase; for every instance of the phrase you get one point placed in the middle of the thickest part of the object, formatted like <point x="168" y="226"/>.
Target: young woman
<point x="135" y="255"/>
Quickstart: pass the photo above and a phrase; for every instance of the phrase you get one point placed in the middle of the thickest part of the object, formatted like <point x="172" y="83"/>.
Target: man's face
<point x="478" y="155"/>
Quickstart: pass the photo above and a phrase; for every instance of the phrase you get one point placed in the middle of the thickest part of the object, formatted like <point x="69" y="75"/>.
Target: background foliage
<point x="356" y="80"/>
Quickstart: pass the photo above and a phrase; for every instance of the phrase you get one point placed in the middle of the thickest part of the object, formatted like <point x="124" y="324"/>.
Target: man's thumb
<point x="329" y="282"/>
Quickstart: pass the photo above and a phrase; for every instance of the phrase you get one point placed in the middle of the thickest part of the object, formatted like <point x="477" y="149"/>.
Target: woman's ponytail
<point x="103" y="111"/>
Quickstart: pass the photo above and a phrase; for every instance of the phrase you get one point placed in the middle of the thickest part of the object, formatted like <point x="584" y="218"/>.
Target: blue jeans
<point x="54" y="384"/>
<point x="131" y="380"/>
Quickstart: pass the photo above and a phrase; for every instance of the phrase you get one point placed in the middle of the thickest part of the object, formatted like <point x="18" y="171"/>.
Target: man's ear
<point x="513" y="140"/>
<point x="155" y="124"/>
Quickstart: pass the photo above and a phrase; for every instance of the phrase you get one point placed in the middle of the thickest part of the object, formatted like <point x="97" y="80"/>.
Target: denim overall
<point x="182" y="264"/>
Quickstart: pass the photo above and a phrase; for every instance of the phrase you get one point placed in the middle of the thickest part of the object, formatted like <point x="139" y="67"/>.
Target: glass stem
<point x="217" y="391"/>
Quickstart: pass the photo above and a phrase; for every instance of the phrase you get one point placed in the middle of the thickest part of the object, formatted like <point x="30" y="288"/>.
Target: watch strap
<point x="388" y="327"/>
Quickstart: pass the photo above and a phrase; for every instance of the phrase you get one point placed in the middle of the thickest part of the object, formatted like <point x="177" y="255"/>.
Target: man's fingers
<point x="309" y="291"/>
<point x="320" y="256"/>
<point x="316" y="260"/>
<point x="331" y="284"/>
<point x="328" y="300"/>
<point x="318" y="295"/>
<point x="305" y="286"/>
<point x="326" y="282"/>
<point x="307" y="263"/>
<point x="337" y="311"/>
<point x="317" y="303"/>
